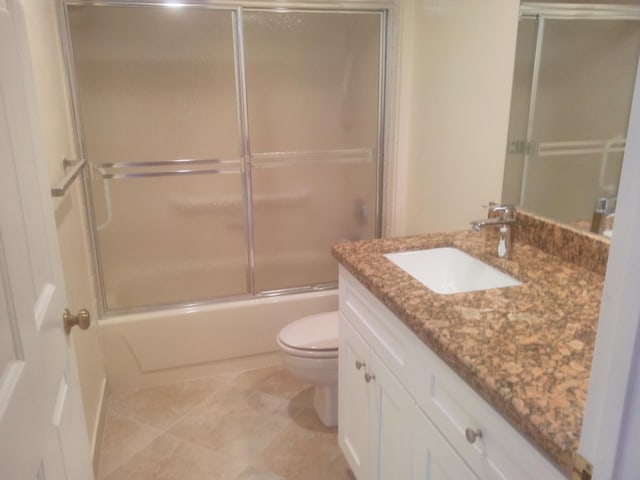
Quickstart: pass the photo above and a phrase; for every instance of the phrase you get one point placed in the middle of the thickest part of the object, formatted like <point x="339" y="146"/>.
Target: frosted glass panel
<point x="172" y="239"/>
<point x="157" y="85"/>
<point x="172" y="184"/>
<point x="299" y="211"/>
<point x="585" y="176"/>
<point x="313" y="80"/>
<point x="587" y="74"/>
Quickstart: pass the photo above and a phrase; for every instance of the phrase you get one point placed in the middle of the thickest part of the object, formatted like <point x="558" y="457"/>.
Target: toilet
<point x="310" y="352"/>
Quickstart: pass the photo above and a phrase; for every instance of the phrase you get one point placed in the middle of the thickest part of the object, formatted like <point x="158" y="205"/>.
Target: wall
<point x="58" y="143"/>
<point x="457" y="64"/>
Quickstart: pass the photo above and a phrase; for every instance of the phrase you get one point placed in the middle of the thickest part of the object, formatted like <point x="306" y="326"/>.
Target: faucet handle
<point x="507" y="212"/>
<point x="490" y="205"/>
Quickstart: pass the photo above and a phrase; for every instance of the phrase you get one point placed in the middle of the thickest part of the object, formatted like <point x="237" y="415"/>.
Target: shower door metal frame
<point x="384" y="8"/>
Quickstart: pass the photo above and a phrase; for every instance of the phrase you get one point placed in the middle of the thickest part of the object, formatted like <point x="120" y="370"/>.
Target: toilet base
<point x="325" y="403"/>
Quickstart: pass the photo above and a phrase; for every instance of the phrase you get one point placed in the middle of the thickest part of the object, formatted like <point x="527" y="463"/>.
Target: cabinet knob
<point x="359" y="364"/>
<point x="472" y="434"/>
<point x="368" y="377"/>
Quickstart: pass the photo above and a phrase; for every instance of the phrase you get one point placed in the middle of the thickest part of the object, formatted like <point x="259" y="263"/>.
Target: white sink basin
<point x="449" y="270"/>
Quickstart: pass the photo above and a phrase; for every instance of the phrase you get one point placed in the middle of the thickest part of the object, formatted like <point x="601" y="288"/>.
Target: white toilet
<point x="310" y="348"/>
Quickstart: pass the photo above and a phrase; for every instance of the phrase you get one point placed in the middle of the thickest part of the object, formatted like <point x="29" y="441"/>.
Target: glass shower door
<point x="159" y="108"/>
<point x="314" y="88"/>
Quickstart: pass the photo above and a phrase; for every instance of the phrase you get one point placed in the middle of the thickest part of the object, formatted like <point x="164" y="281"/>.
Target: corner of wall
<point x="399" y="117"/>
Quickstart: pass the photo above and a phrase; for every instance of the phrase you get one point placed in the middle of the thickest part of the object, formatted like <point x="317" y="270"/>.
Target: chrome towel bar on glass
<point x="72" y="168"/>
<point x="194" y="166"/>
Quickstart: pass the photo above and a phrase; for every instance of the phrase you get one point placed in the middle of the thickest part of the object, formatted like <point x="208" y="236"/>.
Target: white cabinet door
<point x="390" y="415"/>
<point x="374" y="412"/>
<point x="354" y="398"/>
<point x="39" y="414"/>
<point x="432" y="457"/>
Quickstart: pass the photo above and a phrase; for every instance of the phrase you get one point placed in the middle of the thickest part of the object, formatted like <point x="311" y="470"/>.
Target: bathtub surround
<point x="526" y="350"/>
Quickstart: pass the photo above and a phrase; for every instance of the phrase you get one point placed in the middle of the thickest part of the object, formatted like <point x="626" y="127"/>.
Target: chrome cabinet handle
<point x="360" y="364"/>
<point x="472" y="434"/>
<point x="368" y="377"/>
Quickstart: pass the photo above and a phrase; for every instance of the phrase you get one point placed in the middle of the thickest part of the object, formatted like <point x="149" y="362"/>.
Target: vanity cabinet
<point x="403" y="413"/>
<point x="373" y="412"/>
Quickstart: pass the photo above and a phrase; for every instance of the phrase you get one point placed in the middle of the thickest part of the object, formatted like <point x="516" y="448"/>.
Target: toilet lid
<point x="315" y="332"/>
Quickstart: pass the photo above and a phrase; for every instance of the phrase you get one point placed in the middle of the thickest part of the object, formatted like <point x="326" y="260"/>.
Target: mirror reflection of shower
<point x="229" y="147"/>
<point x="574" y="75"/>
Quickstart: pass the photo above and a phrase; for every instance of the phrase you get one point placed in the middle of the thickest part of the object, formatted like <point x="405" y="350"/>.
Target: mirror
<point x="574" y="75"/>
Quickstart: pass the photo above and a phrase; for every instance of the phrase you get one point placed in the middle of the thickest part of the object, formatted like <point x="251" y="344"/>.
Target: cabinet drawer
<point x="500" y="452"/>
<point x="381" y="329"/>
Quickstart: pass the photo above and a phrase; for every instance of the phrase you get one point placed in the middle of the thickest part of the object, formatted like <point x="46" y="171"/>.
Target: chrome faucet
<point x="506" y="217"/>
<point x="603" y="211"/>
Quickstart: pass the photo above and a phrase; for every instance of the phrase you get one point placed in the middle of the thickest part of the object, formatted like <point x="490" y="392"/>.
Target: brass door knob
<point x="82" y="320"/>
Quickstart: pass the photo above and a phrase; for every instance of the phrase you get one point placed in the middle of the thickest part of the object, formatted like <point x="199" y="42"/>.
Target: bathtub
<point x="166" y="346"/>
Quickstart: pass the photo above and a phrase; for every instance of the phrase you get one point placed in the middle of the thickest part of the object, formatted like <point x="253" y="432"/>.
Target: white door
<point x="353" y="407"/>
<point x="41" y="424"/>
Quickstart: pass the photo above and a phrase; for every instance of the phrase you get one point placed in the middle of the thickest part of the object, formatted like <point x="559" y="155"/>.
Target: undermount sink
<point x="449" y="270"/>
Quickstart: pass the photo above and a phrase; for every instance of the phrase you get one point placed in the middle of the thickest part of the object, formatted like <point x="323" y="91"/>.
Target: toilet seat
<point x="314" y="336"/>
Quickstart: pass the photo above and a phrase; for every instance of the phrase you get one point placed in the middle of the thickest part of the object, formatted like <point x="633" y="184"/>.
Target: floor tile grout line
<point x="292" y="403"/>
<point x="169" y="425"/>
<point x="130" y="453"/>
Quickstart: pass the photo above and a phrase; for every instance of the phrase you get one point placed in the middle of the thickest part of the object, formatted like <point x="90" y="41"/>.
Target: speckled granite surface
<point x="527" y="350"/>
<point x="580" y="247"/>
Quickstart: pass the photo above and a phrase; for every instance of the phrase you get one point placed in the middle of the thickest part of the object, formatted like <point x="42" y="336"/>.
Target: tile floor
<point x="254" y="425"/>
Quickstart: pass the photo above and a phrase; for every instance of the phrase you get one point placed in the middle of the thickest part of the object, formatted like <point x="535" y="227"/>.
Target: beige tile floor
<point x="254" y="425"/>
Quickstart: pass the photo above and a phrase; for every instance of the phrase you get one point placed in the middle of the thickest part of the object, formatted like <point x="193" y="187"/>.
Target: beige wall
<point x="58" y="143"/>
<point x="457" y="64"/>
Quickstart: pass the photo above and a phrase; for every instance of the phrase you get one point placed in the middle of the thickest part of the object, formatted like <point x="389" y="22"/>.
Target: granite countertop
<point x="526" y="350"/>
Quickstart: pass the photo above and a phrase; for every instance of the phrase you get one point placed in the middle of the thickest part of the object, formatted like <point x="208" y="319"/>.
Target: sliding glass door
<point x="228" y="147"/>
<point x="313" y="83"/>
